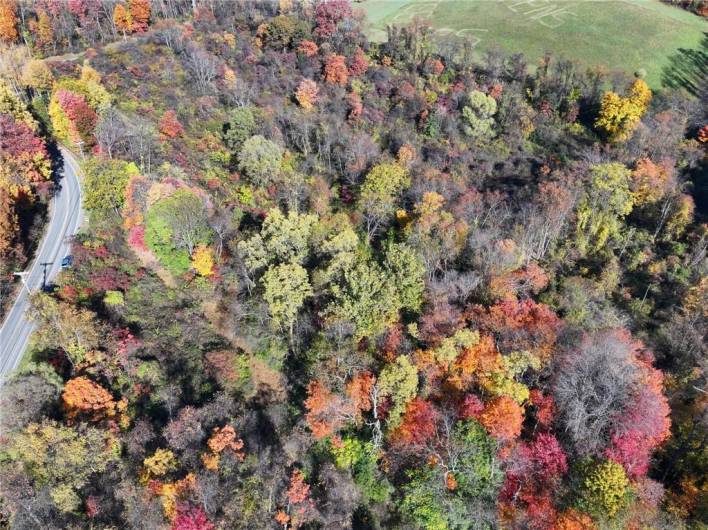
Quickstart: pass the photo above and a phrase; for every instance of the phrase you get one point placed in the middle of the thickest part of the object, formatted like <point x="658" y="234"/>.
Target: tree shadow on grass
<point x="688" y="68"/>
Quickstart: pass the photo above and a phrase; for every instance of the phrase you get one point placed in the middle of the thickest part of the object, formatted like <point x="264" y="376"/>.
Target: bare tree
<point x="341" y="497"/>
<point x="24" y="398"/>
<point x="142" y="143"/>
<point x="202" y="65"/>
<point x="110" y="130"/>
<point x="221" y="222"/>
<point x="171" y="35"/>
<point x="545" y="219"/>
<point x="594" y="385"/>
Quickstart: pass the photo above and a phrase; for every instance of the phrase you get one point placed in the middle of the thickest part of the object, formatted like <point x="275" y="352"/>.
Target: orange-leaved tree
<point x="8" y="21"/>
<point x="306" y="94"/>
<point x="82" y="396"/>
<point x="140" y="14"/>
<point x="222" y="438"/>
<point x="335" y="70"/>
<point x="122" y="19"/>
<point x="502" y="418"/>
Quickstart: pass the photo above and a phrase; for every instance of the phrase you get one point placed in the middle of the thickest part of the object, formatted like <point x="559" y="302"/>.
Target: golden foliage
<point x="203" y="260"/>
<point x="620" y="115"/>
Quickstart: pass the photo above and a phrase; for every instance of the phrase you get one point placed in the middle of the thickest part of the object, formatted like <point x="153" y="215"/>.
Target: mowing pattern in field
<point x="627" y="35"/>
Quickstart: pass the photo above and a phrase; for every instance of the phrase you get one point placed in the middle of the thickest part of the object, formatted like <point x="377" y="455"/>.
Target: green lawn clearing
<point x="625" y="35"/>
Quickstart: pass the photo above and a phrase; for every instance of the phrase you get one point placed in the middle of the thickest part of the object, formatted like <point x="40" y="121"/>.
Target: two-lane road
<point x="65" y="219"/>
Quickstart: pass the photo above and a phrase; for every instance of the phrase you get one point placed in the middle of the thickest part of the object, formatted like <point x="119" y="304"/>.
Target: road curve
<point x="66" y="217"/>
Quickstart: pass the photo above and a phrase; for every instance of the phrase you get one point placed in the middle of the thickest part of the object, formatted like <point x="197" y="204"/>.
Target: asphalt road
<point x="65" y="219"/>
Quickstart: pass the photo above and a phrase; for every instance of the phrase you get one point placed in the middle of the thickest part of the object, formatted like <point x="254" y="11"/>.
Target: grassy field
<point x="620" y="34"/>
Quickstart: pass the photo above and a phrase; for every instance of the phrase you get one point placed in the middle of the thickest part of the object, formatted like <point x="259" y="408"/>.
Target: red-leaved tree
<point x="191" y="518"/>
<point x="330" y="13"/>
<point x="169" y="125"/>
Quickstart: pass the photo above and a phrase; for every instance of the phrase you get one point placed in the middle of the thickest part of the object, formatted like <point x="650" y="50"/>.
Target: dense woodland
<point x="330" y="284"/>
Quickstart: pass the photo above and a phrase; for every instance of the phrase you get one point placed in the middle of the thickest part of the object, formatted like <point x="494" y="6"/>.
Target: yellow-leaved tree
<point x="620" y="115"/>
<point x="122" y="19"/>
<point x="203" y="260"/>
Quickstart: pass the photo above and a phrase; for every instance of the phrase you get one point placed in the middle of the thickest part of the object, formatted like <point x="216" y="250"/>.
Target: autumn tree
<point x="83" y="397"/>
<point x="335" y="70"/>
<point x="679" y="215"/>
<point x="306" y="94"/>
<point x="122" y="19"/>
<point x="327" y="412"/>
<point x="89" y="85"/>
<point x="11" y="104"/>
<point x="604" y="488"/>
<point x="169" y="125"/>
<point x="191" y="518"/>
<point x="72" y="117"/>
<point x="43" y="31"/>
<point x="520" y="325"/>
<point x="608" y="200"/>
<point x="161" y="462"/>
<point x="37" y="75"/>
<point x="377" y="199"/>
<point x="398" y="382"/>
<point x="139" y="15"/>
<point x="435" y="233"/>
<point x="502" y="417"/>
<point x="308" y="48"/>
<point x="203" y="260"/>
<point x="359" y="63"/>
<point x="651" y="181"/>
<point x="358" y="390"/>
<point x="62" y="459"/>
<point x="300" y="508"/>
<point x="620" y="115"/>
<point x="8" y="21"/>
<point x="573" y="520"/>
<point x="105" y="182"/>
<point x="545" y="457"/>
<point x="24" y="158"/>
<point x="329" y="14"/>
<point x="9" y="225"/>
<point x="222" y="439"/>
<point x="418" y="424"/>
<point x="62" y="325"/>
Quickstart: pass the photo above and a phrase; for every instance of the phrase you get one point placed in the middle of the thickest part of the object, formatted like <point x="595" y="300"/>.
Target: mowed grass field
<point x="619" y="34"/>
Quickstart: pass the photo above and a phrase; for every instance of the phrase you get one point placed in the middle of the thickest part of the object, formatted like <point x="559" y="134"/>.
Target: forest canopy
<point x="331" y="283"/>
